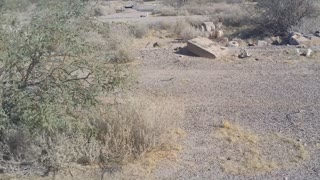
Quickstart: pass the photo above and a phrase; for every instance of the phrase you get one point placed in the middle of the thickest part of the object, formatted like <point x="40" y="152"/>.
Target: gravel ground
<point x="273" y="92"/>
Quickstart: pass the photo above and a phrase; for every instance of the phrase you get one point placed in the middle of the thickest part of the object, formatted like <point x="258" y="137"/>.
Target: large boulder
<point x="297" y="39"/>
<point x="204" y="47"/>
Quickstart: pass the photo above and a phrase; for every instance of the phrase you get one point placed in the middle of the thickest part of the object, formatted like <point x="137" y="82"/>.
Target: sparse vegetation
<point x="257" y="150"/>
<point x="70" y="98"/>
<point x="277" y="17"/>
<point x="307" y="26"/>
<point x="54" y="71"/>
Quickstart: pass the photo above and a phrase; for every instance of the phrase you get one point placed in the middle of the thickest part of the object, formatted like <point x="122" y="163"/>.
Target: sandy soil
<point x="269" y="101"/>
<point x="254" y="118"/>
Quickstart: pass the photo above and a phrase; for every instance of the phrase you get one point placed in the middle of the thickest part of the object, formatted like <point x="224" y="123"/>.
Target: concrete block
<point x="204" y="47"/>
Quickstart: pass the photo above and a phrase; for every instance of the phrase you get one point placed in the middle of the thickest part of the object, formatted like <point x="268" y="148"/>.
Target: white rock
<point x="262" y="43"/>
<point x="309" y="52"/>
<point x="233" y="44"/>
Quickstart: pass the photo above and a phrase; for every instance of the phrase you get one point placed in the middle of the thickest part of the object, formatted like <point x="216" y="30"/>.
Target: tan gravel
<point x="272" y="97"/>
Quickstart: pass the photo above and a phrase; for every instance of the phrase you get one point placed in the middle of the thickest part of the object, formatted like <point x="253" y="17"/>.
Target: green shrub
<point x="50" y="75"/>
<point x="57" y="73"/>
<point x="277" y="16"/>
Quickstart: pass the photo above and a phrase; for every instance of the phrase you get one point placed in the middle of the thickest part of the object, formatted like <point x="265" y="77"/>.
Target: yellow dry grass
<point x="249" y="153"/>
<point x="160" y="115"/>
<point x="143" y="168"/>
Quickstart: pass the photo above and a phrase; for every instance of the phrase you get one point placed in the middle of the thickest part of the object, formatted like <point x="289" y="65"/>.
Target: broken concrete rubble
<point x="303" y="40"/>
<point x="305" y="52"/>
<point x="262" y="43"/>
<point x="204" y="47"/>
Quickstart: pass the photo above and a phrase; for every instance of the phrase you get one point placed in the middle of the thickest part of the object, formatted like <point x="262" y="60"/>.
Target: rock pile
<point x="299" y="39"/>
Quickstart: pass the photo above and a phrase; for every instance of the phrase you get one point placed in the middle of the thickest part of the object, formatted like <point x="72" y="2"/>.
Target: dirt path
<point x="271" y="102"/>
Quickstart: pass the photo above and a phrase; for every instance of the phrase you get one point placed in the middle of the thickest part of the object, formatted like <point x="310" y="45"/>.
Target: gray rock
<point x="204" y="47"/>
<point x="262" y="43"/>
<point x="297" y="39"/>
<point x="233" y="44"/>
<point x="309" y="52"/>
<point x="303" y="40"/>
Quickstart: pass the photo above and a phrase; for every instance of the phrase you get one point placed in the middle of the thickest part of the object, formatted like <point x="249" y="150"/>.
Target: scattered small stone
<point x="170" y="79"/>
<point x="129" y="6"/>
<point x="244" y="54"/>
<point x="6" y="158"/>
<point x="177" y="48"/>
<point x="257" y="59"/>
<point x="156" y="45"/>
<point x="250" y="43"/>
<point x="286" y="178"/>
<point x="233" y="44"/>
<point x="309" y="52"/>
<point x="275" y="40"/>
<point x="228" y="158"/>
<point x="317" y="33"/>
<point x="301" y="46"/>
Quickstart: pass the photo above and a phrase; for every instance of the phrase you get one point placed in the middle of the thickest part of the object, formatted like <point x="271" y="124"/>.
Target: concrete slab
<point x="204" y="47"/>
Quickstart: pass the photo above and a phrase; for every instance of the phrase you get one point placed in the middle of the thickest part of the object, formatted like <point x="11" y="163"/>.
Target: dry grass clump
<point x="249" y="153"/>
<point x="140" y="30"/>
<point x="170" y="11"/>
<point x="190" y="33"/>
<point x="307" y="26"/>
<point x="115" y="135"/>
<point x="119" y="44"/>
<point x="231" y="14"/>
<point x="160" y="25"/>
<point x="103" y="10"/>
<point x="235" y="16"/>
<point x="184" y="29"/>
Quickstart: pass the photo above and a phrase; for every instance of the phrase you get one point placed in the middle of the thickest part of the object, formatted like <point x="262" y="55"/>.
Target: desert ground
<point x="273" y="96"/>
<point x="247" y="118"/>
